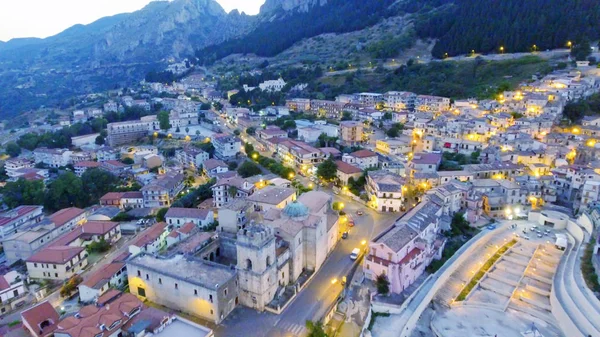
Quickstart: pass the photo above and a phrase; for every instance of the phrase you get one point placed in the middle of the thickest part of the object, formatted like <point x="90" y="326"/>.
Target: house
<point x="83" y="166"/>
<point x="12" y="291"/>
<point x="298" y="104"/>
<point x="191" y="157"/>
<point x="271" y="132"/>
<point x="151" y="240"/>
<point x="299" y="154"/>
<point x="425" y="163"/>
<point x="107" y="153"/>
<point x="346" y="171"/>
<point x="11" y="221"/>
<point x="226" y="146"/>
<point x="91" y="231"/>
<point x="363" y="159"/>
<point x="112" y="275"/>
<point x="395" y="146"/>
<point x="405" y="249"/>
<point x="212" y="167"/>
<point x="177" y="216"/>
<point x="272" y="85"/>
<point x="123" y="200"/>
<point x="182" y="233"/>
<point x="385" y="191"/>
<point x="113" y="166"/>
<point x="271" y="197"/>
<point x="56" y="263"/>
<point x="68" y="218"/>
<point x="11" y="166"/>
<point x="227" y="189"/>
<point x="52" y="157"/>
<point x="162" y="191"/>
<point x="40" y="320"/>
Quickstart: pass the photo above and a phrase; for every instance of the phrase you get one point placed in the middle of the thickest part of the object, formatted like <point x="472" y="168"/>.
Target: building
<point x="226" y="146"/>
<point x="227" y="189"/>
<point x="56" y="263"/>
<point x="83" y="166"/>
<point x="346" y="171"/>
<point x="363" y="159"/>
<point x="113" y="166"/>
<point x="213" y="167"/>
<point x="107" y="153"/>
<point x="178" y="217"/>
<point x="271" y="132"/>
<point x="151" y="240"/>
<point x="395" y="146"/>
<point x="404" y="250"/>
<point x="13" y="165"/>
<point x="112" y="275"/>
<point x="272" y="85"/>
<point x="298" y="104"/>
<point x="299" y="155"/>
<point x="351" y="132"/>
<point x="271" y="197"/>
<point x="425" y="163"/>
<point x="12" y="291"/>
<point x="11" y="221"/>
<point x="192" y="158"/>
<point x="123" y="133"/>
<point x="385" y="191"/>
<point x="123" y="200"/>
<point x="162" y="191"/>
<point x="201" y="288"/>
<point x="52" y="157"/>
<point x="40" y="320"/>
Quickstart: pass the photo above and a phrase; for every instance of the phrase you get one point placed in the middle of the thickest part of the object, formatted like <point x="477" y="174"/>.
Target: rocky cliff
<point x="288" y="5"/>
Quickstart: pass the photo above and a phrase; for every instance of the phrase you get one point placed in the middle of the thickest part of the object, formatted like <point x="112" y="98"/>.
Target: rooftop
<point x="179" y="212"/>
<point x="272" y="195"/>
<point x="202" y="273"/>
<point x="56" y="255"/>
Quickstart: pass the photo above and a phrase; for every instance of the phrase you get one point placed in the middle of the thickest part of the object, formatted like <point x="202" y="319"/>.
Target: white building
<point x="52" y="157"/>
<point x="226" y="146"/>
<point x="272" y="85"/>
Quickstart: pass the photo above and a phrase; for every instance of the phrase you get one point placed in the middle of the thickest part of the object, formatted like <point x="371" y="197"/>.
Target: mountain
<point x="288" y="5"/>
<point x="112" y="51"/>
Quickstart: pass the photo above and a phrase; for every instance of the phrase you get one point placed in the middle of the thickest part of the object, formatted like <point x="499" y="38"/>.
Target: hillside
<point x="111" y="52"/>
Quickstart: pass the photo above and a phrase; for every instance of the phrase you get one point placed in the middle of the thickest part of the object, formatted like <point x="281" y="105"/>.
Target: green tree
<point x="12" y="149"/>
<point x="327" y="169"/>
<point x="248" y="148"/>
<point x="160" y="215"/>
<point x="99" y="140"/>
<point x="581" y="50"/>
<point x="127" y="161"/>
<point x="251" y="131"/>
<point x="393" y="132"/>
<point x="66" y="191"/>
<point x="346" y="116"/>
<point x="387" y="116"/>
<point x="382" y="284"/>
<point x="218" y="106"/>
<point x="232" y="191"/>
<point x="289" y="124"/>
<point x="163" y="119"/>
<point x="97" y="183"/>
<point x="236" y="132"/>
<point x="249" y="169"/>
<point x="315" y="329"/>
<point x="98" y="246"/>
<point x="23" y="192"/>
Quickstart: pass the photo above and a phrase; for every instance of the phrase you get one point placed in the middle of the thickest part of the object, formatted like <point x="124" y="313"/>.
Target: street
<point x="312" y="302"/>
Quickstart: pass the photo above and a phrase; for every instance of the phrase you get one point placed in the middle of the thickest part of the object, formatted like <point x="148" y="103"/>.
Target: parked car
<point x="345" y="235"/>
<point x="355" y="253"/>
<point x="491" y="227"/>
<point x="360" y="213"/>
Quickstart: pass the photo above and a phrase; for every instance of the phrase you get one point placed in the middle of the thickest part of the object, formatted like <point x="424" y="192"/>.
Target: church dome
<point x="296" y="210"/>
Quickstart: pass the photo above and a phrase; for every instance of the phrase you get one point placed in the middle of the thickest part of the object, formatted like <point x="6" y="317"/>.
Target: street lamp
<point x="501" y="49"/>
<point x="569" y="44"/>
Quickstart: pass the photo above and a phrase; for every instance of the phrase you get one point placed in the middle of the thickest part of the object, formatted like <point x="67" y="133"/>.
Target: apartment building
<point x="299" y="154"/>
<point x="12" y="291"/>
<point x="226" y="146"/>
<point x="191" y="157"/>
<point x="123" y="133"/>
<point x="56" y="263"/>
<point x="177" y="217"/>
<point x="363" y="159"/>
<point x="15" y="219"/>
<point x="162" y="191"/>
<point x="298" y="104"/>
<point x="227" y="189"/>
<point x="82" y="166"/>
<point x="52" y="157"/>
<point x="151" y="240"/>
<point x="399" y="100"/>
<point x="13" y="165"/>
<point x="351" y="132"/>
<point x="112" y="275"/>
<point x="385" y="191"/>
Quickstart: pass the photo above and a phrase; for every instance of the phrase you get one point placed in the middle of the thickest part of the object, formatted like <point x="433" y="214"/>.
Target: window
<point x="225" y="292"/>
<point x="16" y="293"/>
<point x="176" y="286"/>
<point x="196" y="292"/>
<point x="159" y="280"/>
<point x="139" y="273"/>
<point x="211" y="311"/>
<point x="35" y="265"/>
<point x="141" y="291"/>
<point x="210" y="299"/>
<point x="54" y="266"/>
<point x="147" y="277"/>
<point x="55" y="274"/>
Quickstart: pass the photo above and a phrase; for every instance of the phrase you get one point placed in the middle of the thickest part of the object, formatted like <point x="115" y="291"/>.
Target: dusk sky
<point x="43" y="18"/>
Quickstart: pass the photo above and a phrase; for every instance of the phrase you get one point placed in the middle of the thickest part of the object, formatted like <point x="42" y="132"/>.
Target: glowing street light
<point x="363" y="242"/>
<point x="333" y="281"/>
<point x="502" y="49"/>
<point x="291" y="175"/>
<point x="255" y="156"/>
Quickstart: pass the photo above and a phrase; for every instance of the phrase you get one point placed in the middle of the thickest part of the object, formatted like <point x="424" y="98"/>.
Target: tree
<point x="249" y="169"/>
<point x="387" y="116"/>
<point x="127" y="161"/>
<point x="315" y="329"/>
<point x="327" y="170"/>
<point x="218" y="106"/>
<point x="581" y="50"/>
<point x="163" y="119"/>
<point x="69" y="287"/>
<point x="99" y="140"/>
<point x="187" y="130"/>
<point x="205" y="106"/>
<point x="393" y="132"/>
<point x="160" y="215"/>
<point x="97" y="183"/>
<point x="251" y="131"/>
<point x="382" y="283"/>
<point x="346" y="116"/>
<point x="98" y="246"/>
<point x="289" y="124"/>
<point x="12" y="149"/>
<point x="66" y="191"/>
<point x="232" y="165"/>
<point x="232" y="191"/>
<point x="248" y="148"/>
<point x="23" y="192"/>
<point x="236" y="132"/>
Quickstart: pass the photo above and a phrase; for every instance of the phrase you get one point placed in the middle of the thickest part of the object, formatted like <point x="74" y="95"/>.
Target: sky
<point x="43" y="18"/>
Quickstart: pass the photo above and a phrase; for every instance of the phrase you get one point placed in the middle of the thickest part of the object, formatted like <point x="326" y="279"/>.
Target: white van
<point x="355" y="253"/>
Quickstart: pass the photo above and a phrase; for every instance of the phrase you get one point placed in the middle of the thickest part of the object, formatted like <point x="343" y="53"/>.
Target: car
<point x="491" y="227"/>
<point x="355" y="253"/>
<point x="360" y="213"/>
<point x="345" y="235"/>
<point x="526" y="237"/>
<point x="336" y="192"/>
<point x="540" y="235"/>
<point x="351" y="223"/>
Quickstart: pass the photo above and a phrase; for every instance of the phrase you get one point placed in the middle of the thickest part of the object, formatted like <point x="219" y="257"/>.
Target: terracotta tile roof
<point x="86" y="163"/>
<point x="56" y="255"/>
<point x="363" y="154"/>
<point x="213" y="163"/>
<point x="150" y="234"/>
<point x="86" y="231"/>
<point x="3" y="283"/>
<point x="65" y="215"/>
<point x="187" y="228"/>
<point x="42" y="318"/>
<point x="347" y="168"/>
<point x="103" y="275"/>
<point x="110" y="316"/>
<point x="20" y="211"/>
<point x="112" y="196"/>
<point x="179" y="212"/>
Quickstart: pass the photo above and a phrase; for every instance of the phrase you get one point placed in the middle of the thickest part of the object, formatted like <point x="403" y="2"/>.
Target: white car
<point x="355" y="253"/>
